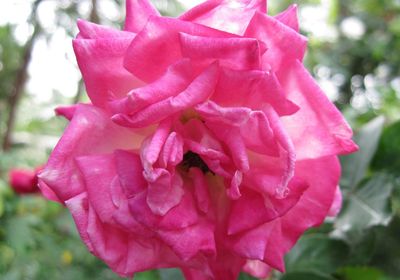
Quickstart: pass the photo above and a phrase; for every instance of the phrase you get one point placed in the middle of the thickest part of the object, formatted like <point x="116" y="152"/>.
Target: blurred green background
<point x="354" y="53"/>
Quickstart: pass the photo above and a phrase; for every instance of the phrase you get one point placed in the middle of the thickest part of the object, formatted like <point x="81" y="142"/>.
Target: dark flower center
<point x="191" y="159"/>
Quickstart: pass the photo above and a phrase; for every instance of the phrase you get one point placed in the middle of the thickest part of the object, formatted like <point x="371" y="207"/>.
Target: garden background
<point x="354" y="53"/>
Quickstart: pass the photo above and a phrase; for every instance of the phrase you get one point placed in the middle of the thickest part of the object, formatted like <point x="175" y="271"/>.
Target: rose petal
<point x="100" y="61"/>
<point x="289" y="17"/>
<point x="284" y="44"/>
<point x="318" y="128"/>
<point x="137" y="14"/>
<point x="227" y="15"/>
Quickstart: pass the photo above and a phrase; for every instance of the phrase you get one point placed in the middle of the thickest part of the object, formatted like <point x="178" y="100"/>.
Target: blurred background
<point x="354" y="53"/>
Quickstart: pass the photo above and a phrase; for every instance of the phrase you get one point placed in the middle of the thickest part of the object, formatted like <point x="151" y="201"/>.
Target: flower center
<point x="191" y="159"/>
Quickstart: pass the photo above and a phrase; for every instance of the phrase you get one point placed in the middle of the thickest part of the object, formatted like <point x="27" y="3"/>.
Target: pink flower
<point x="24" y="181"/>
<point x="207" y="146"/>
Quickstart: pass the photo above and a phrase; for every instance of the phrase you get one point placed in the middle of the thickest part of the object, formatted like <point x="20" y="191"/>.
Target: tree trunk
<point x="20" y="79"/>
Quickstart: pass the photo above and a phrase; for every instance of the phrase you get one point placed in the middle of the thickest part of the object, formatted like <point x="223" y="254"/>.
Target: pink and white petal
<point x="336" y="204"/>
<point x="101" y="64"/>
<point x="228" y="15"/>
<point x="284" y="44"/>
<point x="137" y="14"/>
<point x="161" y="33"/>
<point x="318" y="129"/>
<point x="257" y="269"/>
<point x="234" y="53"/>
<point x="289" y="17"/>
<point x="89" y="30"/>
<point x="89" y="132"/>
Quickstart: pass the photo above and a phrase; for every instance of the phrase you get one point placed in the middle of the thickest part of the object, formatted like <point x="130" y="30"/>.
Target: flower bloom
<point x="24" y="181"/>
<point x="207" y="145"/>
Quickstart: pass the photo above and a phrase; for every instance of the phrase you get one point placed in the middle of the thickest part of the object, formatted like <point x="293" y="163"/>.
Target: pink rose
<point x="24" y="181"/>
<point x="207" y="146"/>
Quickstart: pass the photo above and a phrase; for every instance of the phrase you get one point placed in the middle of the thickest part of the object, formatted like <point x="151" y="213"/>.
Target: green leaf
<point x="368" y="205"/>
<point x="354" y="166"/>
<point x="360" y="273"/>
<point x="171" y="274"/>
<point x="317" y="253"/>
<point x="306" y="276"/>
<point x="147" y="275"/>
<point x="388" y="155"/>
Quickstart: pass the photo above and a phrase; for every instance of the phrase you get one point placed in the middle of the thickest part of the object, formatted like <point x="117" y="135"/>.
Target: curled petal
<point x="284" y="44"/>
<point x="199" y="90"/>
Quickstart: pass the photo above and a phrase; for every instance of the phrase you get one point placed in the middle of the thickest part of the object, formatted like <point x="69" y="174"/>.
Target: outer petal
<point x="228" y="15"/>
<point x="318" y="128"/>
<point x="137" y="14"/>
<point x="322" y="175"/>
<point x="284" y="44"/>
<point x="161" y="33"/>
<point x="88" y="30"/>
<point x="89" y="132"/>
<point x="101" y="64"/>
<point x="289" y="17"/>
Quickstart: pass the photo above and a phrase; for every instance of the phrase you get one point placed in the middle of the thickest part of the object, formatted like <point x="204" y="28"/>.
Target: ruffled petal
<point x="318" y="128"/>
<point x="162" y="33"/>
<point x="89" y="132"/>
<point x="228" y="15"/>
<point x="199" y="90"/>
<point x="284" y="44"/>
<point x="100" y="61"/>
